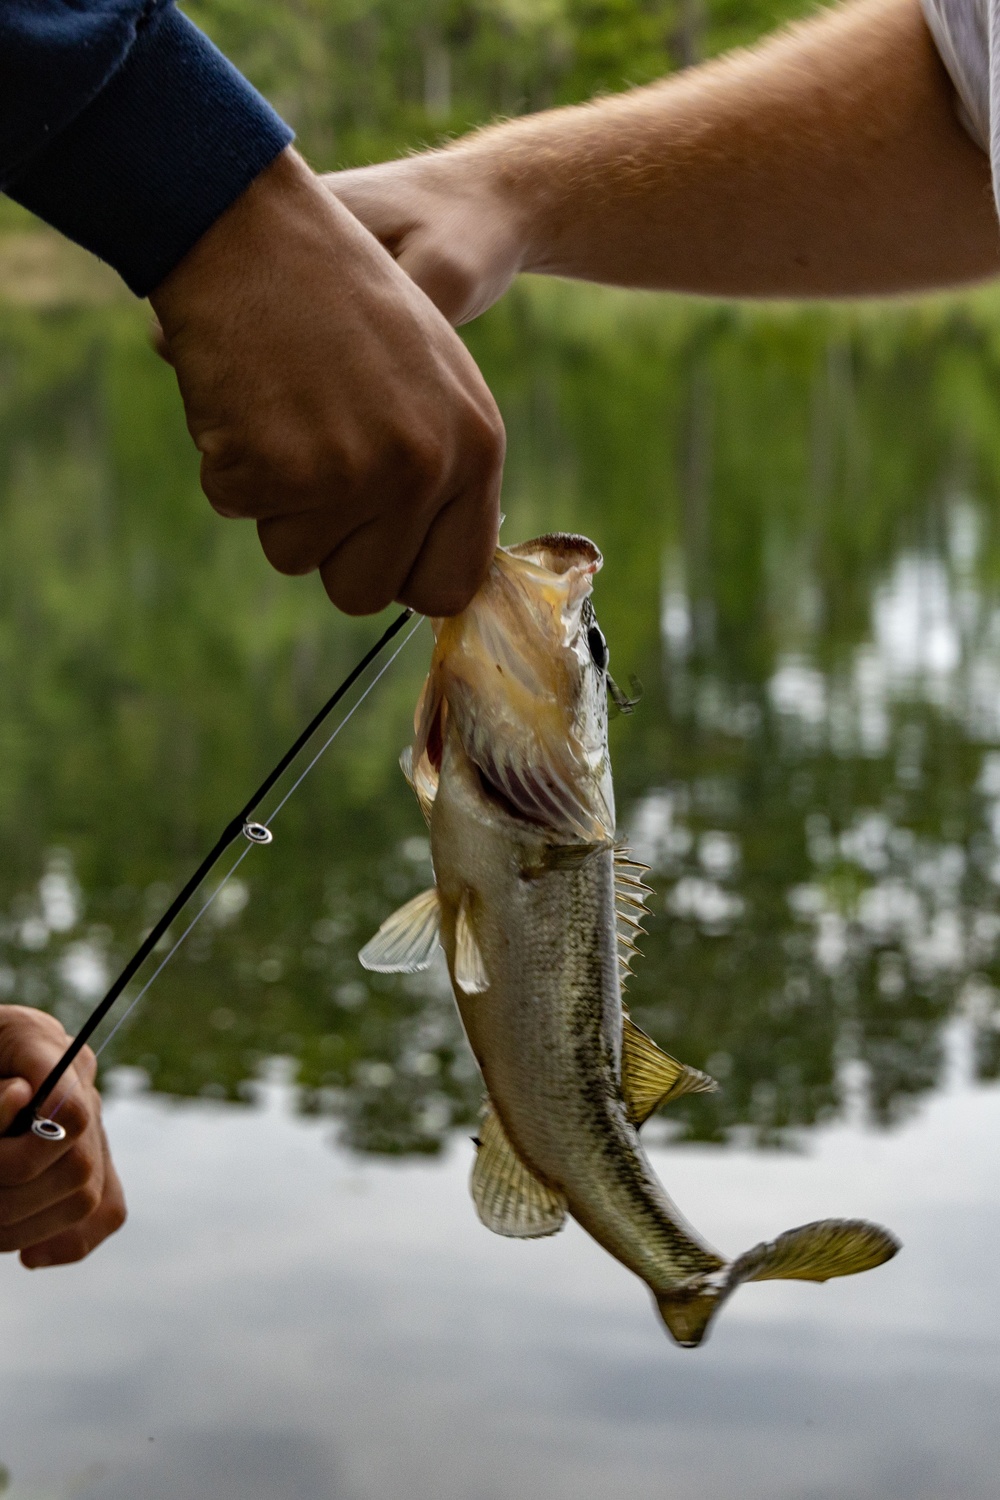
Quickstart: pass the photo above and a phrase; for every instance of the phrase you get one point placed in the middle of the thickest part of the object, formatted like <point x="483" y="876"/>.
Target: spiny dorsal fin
<point x="630" y="905"/>
<point x="509" y="1198"/>
<point x="817" y="1252"/>
<point x="629" y="869"/>
<point x="651" y="1077"/>
<point x="406" y="941"/>
<point x="470" y="970"/>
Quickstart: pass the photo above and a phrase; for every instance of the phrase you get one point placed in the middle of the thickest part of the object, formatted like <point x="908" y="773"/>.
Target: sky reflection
<point x="280" y="1318"/>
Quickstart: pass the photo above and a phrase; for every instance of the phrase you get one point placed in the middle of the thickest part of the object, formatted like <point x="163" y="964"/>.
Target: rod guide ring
<point x="257" y="833"/>
<point x="48" y="1130"/>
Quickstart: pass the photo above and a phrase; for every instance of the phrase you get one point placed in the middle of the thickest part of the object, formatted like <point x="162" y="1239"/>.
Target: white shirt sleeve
<point x="966" y="33"/>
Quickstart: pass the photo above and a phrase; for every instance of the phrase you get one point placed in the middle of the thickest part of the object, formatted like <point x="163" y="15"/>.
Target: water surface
<point x="798" y="515"/>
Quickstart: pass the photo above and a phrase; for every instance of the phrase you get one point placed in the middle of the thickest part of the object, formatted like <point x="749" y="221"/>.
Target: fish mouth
<point x="559" y="552"/>
<point x="510" y="679"/>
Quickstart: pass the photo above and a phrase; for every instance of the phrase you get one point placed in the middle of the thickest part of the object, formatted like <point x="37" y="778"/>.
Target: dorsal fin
<point x="630" y="906"/>
<point x="651" y="1077"/>
<point x="509" y="1198"/>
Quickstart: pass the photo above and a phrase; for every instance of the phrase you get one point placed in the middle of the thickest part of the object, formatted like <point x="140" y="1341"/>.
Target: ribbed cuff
<point x="151" y="163"/>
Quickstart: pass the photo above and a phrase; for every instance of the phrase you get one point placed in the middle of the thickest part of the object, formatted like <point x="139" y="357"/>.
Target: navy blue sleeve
<point x="123" y="126"/>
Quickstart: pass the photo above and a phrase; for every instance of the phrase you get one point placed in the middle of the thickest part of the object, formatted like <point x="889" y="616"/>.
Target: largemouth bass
<point x="537" y="909"/>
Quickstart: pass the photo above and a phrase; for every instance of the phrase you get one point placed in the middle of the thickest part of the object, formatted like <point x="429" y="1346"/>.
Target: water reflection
<point x="286" y="1320"/>
<point x="798" y="517"/>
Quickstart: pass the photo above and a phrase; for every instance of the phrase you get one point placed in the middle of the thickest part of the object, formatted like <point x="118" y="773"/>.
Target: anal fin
<point x="651" y="1077"/>
<point x="509" y="1198"/>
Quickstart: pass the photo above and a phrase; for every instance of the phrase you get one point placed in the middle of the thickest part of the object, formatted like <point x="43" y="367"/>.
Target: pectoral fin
<point x="406" y="941"/>
<point x="509" y="1198"/>
<point x="470" y="970"/>
<point x="422" y="779"/>
<point x="651" y="1077"/>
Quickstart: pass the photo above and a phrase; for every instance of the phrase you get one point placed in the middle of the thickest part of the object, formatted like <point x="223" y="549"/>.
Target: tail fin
<point x="813" y="1252"/>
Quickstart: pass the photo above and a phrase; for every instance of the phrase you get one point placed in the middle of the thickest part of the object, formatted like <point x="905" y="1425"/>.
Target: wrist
<point x="507" y="190"/>
<point x="238" y="243"/>
<point x="168" y="143"/>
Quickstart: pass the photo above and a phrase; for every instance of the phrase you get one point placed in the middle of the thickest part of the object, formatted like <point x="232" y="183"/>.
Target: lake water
<point x="799" y="520"/>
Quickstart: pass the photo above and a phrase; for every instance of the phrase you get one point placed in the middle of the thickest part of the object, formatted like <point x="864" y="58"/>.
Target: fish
<point x="538" y="907"/>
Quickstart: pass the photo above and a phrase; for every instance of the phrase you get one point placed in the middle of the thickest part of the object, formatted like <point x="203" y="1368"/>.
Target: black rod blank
<point x="26" y="1117"/>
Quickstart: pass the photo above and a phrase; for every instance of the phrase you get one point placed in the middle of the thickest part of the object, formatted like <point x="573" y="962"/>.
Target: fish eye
<point x="598" y="648"/>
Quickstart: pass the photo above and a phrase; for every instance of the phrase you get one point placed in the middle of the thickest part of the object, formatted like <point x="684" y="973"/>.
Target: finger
<point x="454" y="559"/>
<point x="299" y="543"/>
<point x="75" y="1169"/>
<point x="458" y="549"/>
<point x="31" y="1043"/>
<point x="444" y="276"/>
<point x="15" y="1093"/>
<point x="373" y="195"/>
<point x="158" y="339"/>
<point x="73" y="1244"/>
<point x="75" y="1104"/>
<point x="54" y="1219"/>
<point x="369" y="568"/>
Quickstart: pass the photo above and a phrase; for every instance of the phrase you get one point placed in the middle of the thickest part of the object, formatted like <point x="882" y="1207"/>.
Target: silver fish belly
<point x="547" y="1032"/>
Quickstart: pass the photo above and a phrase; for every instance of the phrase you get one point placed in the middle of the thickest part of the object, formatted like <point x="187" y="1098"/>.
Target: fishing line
<point x="255" y="833"/>
<point x="148" y="985"/>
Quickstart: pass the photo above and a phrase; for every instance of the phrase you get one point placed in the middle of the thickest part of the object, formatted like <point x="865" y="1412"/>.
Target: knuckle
<point x="356" y="597"/>
<point x="84" y="1202"/>
<point x="87" y="1064"/>
<point x="79" y="1170"/>
<point x="288" y="546"/>
<point x="299" y="469"/>
<point x="488" y="438"/>
<point x="425" y="461"/>
<point x="74" y="1248"/>
<point x="75" y="1117"/>
<point x="116" y="1215"/>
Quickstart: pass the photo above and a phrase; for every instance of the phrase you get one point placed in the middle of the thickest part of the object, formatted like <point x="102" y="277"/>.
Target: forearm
<point x="829" y="161"/>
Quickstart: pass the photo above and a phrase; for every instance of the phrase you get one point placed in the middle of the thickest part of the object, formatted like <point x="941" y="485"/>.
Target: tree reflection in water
<point x="798" y="517"/>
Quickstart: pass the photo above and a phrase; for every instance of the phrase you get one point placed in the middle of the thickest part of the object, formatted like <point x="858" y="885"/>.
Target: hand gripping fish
<point x="537" y="910"/>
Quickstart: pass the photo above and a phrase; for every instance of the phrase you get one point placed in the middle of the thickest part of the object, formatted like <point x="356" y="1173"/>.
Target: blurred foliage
<point x="364" y="79"/>
<point x="799" y="518"/>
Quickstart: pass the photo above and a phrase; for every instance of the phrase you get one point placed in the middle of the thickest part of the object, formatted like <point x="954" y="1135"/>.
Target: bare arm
<point x="827" y="161"/>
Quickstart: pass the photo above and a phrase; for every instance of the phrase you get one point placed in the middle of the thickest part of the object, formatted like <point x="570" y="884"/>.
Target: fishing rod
<point x="30" y="1118"/>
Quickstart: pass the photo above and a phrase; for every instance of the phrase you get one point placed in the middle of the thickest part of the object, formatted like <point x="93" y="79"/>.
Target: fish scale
<point x="537" y="912"/>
